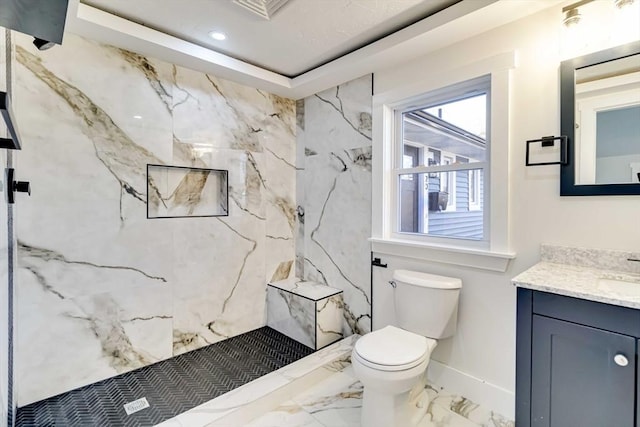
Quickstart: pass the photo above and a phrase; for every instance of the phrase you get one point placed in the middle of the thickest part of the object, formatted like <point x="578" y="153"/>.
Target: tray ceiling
<point x="298" y="37"/>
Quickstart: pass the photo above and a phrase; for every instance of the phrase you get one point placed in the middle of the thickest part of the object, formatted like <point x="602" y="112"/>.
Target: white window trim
<point x="451" y="180"/>
<point x="495" y="254"/>
<point x="475" y="177"/>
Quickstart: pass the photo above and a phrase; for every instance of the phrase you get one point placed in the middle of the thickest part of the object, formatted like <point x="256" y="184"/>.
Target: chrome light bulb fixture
<point x="623" y="3"/>
<point x="572" y="15"/>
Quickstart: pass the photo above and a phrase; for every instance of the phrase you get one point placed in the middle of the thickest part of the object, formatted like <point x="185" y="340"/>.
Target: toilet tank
<point x="426" y="304"/>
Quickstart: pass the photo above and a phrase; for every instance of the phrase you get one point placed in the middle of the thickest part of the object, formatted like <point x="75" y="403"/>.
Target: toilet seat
<point x="393" y="349"/>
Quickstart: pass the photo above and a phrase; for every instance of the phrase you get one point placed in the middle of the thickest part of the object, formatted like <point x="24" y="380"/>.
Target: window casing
<point x="395" y="93"/>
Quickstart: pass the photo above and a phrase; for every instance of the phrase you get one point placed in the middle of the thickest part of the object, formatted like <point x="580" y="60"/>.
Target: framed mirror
<point x="600" y="115"/>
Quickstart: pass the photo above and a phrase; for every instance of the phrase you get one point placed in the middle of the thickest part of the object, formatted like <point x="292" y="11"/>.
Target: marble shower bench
<point x="308" y="312"/>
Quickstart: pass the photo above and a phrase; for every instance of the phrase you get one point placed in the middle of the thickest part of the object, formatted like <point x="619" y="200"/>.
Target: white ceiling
<point x="302" y="35"/>
<point x="307" y="46"/>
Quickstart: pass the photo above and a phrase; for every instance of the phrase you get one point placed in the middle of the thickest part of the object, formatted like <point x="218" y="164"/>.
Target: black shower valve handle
<point x="22" y="187"/>
<point x="15" y="186"/>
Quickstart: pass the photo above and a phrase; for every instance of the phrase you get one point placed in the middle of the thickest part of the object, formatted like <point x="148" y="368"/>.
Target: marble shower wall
<point x="6" y="333"/>
<point x="102" y="289"/>
<point x="334" y="195"/>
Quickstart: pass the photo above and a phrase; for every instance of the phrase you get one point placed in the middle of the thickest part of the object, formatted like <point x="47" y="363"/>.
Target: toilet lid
<point x="391" y="346"/>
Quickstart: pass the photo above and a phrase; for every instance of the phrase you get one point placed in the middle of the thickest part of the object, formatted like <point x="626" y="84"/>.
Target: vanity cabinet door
<point x="581" y="376"/>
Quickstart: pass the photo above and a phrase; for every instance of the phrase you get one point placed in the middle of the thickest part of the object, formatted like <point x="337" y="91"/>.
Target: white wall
<point x="484" y="346"/>
<point x="616" y="169"/>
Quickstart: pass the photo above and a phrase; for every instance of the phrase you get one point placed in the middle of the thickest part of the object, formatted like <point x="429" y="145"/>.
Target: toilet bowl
<point x="391" y="362"/>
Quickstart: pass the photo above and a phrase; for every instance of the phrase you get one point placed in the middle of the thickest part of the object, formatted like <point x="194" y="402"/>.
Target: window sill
<point x="481" y="259"/>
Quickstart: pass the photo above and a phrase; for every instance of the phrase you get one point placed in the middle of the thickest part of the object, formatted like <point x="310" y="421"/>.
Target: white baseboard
<point x="479" y="391"/>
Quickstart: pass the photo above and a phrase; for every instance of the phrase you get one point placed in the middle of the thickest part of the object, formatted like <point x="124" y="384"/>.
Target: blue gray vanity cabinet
<point x="570" y="362"/>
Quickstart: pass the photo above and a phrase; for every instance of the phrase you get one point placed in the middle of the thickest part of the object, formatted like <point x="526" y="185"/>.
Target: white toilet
<point x="391" y="363"/>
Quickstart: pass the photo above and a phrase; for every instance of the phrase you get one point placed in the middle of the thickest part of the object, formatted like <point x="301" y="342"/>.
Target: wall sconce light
<point x="623" y="3"/>
<point x="572" y="15"/>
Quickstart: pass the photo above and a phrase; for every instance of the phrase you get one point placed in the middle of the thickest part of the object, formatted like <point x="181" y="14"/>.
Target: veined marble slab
<point x="174" y="191"/>
<point x="312" y="290"/>
<point x="245" y="403"/>
<point x="114" y="290"/>
<point x="309" y="312"/>
<point x="334" y="216"/>
<point x="7" y="295"/>
<point x="337" y="402"/>
<point x="292" y="315"/>
<point x="323" y="397"/>
<point x="592" y="284"/>
<point x="329" y="313"/>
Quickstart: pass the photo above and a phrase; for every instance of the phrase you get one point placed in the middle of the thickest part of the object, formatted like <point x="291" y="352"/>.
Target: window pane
<point x="469" y="114"/>
<point x="444" y="204"/>
<point x="457" y="129"/>
<point x="410" y="158"/>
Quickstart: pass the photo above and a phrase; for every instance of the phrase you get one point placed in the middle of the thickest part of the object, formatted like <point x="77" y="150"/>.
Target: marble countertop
<point x="594" y="284"/>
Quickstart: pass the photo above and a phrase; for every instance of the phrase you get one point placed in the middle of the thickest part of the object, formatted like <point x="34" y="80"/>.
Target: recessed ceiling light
<point x="137" y="117"/>
<point x="217" y="35"/>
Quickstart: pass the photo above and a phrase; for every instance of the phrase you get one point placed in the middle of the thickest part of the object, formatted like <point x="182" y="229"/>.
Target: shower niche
<point x="182" y="192"/>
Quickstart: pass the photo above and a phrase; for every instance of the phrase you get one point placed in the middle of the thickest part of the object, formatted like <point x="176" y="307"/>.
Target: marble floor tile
<point x="439" y="416"/>
<point x="287" y="414"/>
<point x="476" y="414"/>
<point x="336" y="401"/>
<point x="331" y="397"/>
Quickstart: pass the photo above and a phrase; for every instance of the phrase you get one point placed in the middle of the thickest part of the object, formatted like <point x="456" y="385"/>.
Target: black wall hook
<point x="378" y="263"/>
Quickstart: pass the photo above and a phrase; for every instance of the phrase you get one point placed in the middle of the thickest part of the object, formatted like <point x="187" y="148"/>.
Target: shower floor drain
<point x="136" y="405"/>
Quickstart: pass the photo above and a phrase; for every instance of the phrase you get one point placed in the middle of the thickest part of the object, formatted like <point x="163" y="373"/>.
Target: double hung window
<point x="442" y="143"/>
<point x="441" y="162"/>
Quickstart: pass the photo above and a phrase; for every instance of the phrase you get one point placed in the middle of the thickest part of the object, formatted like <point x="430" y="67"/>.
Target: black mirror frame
<point x="567" y="122"/>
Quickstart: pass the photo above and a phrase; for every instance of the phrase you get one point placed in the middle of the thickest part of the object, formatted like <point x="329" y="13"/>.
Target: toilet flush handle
<point x="392" y="283"/>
